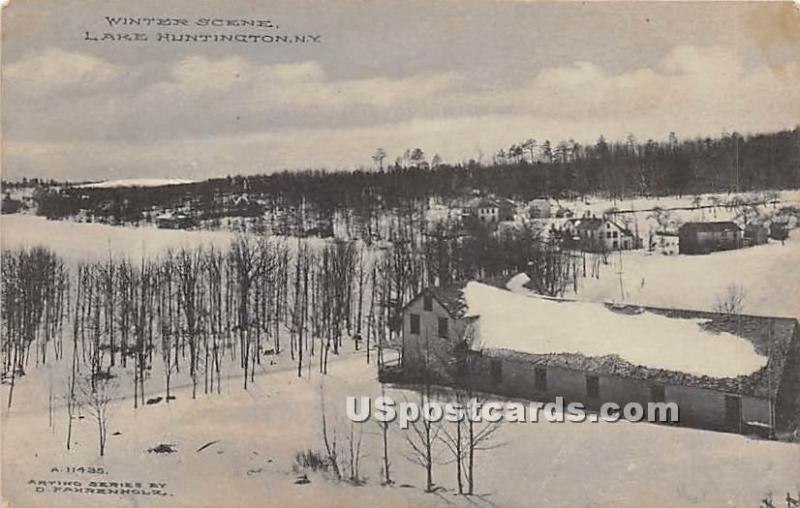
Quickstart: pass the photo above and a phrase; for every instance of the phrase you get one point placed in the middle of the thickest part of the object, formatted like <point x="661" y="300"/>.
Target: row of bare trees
<point x="195" y="304"/>
<point x="35" y="294"/>
<point x="206" y="314"/>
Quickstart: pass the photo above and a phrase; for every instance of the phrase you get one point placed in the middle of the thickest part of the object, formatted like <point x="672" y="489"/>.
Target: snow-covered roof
<point x="674" y="346"/>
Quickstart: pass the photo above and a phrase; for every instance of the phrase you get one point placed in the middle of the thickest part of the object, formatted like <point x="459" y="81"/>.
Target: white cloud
<point x="54" y="70"/>
<point x="229" y="114"/>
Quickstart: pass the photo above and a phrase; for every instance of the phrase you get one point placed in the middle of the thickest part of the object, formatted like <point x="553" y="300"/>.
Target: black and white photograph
<point x="399" y="253"/>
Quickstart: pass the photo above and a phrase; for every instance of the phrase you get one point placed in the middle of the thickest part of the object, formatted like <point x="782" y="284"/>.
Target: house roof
<point x="593" y="223"/>
<point x="588" y="223"/>
<point x="709" y="226"/>
<point x="486" y="202"/>
<point x="450" y="297"/>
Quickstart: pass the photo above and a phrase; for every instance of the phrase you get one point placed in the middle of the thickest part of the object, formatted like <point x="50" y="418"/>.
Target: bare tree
<point x="379" y="156"/>
<point x="662" y="217"/>
<point x="96" y="400"/>
<point x="421" y="438"/>
<point x="252" y="265"/>
<point x="329" y="437"/>
<point x="549" y="268"/>
<point x="354" y="453"/>
<point x="423" y="434"/>
<point x="384" y="425"/>
<point x="731" y="302"/>
<point x="470" y="435"/>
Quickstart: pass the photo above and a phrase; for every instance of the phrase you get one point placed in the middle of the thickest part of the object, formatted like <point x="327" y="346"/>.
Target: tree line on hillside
<point x="566" y="169"/>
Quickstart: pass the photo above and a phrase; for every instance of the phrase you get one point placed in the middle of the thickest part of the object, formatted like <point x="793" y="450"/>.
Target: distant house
<point x="779" y="231"/>
<point x="11" y="205"/>
<point x="593" y="234"/>
<point x="564" y="213"/>
<point x="733" y="391"/>
<point x="244" y="206"/>
<point x="174" y="221"/>
<point x="755" y="234"/>
<point x="490" y="210"/>
<point x="705" y="237"/>
<point x="666" y="243"/>
<point x="321" y="228"/>
<point x="540" y="208"/>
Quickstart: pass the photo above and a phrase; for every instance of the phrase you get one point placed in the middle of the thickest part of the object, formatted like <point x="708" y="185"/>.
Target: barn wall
<point x="788" y="397"/>
<point x="698" y="407"/>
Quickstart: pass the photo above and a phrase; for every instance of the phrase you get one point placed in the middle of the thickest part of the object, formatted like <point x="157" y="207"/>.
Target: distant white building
<point x="595" y="234"/>
<point x="490" y="210"/>
<point x="666" y="243"/>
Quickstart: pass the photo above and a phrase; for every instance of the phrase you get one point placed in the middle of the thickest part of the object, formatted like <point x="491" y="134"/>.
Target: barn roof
<point x="719" y="226"/>
<point x="669" y="346"/>
<point x="771" y="337"/>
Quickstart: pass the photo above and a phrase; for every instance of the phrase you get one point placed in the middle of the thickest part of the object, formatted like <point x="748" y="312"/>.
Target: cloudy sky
<point x="454" y="77"/>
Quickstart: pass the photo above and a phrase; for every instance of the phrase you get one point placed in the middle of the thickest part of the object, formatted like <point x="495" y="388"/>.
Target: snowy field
<point x="81" y="241"/>
<point x="77" y="241"/>
<point x="768" y="274"/>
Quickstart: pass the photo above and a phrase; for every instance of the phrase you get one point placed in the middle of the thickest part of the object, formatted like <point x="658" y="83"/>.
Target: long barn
<point x="735" y="373"/>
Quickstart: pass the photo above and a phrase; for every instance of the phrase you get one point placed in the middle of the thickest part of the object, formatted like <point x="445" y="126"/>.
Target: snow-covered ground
<point x="535" y="325"/>
<point x="636" y="214"/>
<point x="136" y="182"/>
<point x="768" y="275"/>
<point x="77" y="241"/>
<point x="91" y="241"/>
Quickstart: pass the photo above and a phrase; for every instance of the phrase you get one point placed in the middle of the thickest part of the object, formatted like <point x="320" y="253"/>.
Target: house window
<point x="496" y="370"/>
<point x="540" y="379"/>
<point x="415" y="324"/>
<point x="427" y="302"/>
<point x="615" y="234"/>
<point x="443" y="327"/>
<point x="616" y="243"/>
<point x="592" y="386"/>
<point x="657" y="393"/>
<point x="608" y="234"/>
